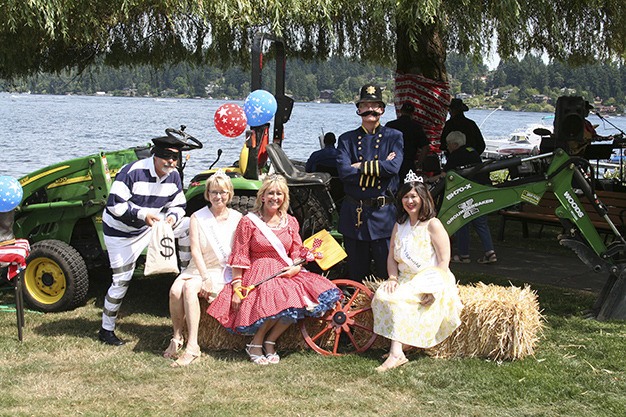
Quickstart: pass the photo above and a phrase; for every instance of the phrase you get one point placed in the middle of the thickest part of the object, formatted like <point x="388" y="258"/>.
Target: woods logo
<point x="574" y="205"/>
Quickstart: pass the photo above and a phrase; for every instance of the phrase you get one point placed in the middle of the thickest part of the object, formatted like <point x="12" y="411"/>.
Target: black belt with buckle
<point x="380" y="201"/>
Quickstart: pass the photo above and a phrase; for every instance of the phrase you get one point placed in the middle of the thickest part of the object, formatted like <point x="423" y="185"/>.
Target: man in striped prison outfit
<point x="368" y="164"/>
<point x="144" y="192"/>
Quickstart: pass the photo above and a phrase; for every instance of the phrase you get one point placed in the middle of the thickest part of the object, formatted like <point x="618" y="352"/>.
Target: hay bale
<point x="212" y="336"/>
<point x="498" y="323"/>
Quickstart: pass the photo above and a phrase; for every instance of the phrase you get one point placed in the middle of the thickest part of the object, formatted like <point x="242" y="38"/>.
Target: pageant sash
<point x="271" y="237"/>
<point x="207" y="223"/>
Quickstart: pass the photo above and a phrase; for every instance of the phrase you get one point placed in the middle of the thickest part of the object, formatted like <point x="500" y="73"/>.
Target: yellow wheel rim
<point x="45" y="280"/>
<point x="243" y="158"/>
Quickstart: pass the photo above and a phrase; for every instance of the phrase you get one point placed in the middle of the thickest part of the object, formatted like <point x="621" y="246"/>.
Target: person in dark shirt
<point x="414" y="139"/>
<point x="325" y="157"/>
<point x="589" y="135"/>
<point x="461" y="155"/>
<point x="458" y="122"/>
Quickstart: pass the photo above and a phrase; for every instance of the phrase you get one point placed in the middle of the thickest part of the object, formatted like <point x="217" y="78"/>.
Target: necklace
<point x="271" y="222"/>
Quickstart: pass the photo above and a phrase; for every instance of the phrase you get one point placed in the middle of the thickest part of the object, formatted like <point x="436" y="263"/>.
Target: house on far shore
<point x="540" y="98"/>
<point x="327" y="94"/>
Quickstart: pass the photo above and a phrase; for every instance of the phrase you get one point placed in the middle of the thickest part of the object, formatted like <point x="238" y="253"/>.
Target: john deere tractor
<point x="61" y="211"/>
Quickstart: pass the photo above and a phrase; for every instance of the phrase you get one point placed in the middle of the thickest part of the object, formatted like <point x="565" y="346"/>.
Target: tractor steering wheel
<point x="189" y="141"/>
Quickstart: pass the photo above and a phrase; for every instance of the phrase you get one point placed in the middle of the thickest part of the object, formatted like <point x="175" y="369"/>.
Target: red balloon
<point x="230" y="120"/>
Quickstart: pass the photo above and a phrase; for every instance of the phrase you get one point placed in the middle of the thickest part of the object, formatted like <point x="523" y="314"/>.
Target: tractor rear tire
<point x="312" y="217"/>
<point x="56" y="277"/>
<point x="242" y="203"/>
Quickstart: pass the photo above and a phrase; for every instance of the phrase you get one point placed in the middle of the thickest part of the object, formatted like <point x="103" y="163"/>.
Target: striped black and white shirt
<point x="137" y="191"/>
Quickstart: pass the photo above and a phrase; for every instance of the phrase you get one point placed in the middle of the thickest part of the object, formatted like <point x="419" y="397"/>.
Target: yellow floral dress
<point x="399" y="315"/>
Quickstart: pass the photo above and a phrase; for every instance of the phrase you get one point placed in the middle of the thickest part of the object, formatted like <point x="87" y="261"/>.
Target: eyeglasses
<point x="168" y="156"/>
<point x="216" y="193"/>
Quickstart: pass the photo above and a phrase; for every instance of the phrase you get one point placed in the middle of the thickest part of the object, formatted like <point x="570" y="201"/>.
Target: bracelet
<point x="392" y="279"/>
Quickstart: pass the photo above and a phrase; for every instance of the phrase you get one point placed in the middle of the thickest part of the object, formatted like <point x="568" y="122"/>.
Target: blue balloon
<point x="260" y="106"/>
<point x="10" y="193"/>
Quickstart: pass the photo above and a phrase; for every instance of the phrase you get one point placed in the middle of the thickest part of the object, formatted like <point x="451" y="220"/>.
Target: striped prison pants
<point x="123" y="254"/>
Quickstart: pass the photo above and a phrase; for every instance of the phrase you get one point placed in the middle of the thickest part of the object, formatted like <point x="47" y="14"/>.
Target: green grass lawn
<point x="579" y="369"/>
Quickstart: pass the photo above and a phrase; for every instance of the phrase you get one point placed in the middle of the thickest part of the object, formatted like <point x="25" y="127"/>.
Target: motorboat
<point x="522" y="141"/>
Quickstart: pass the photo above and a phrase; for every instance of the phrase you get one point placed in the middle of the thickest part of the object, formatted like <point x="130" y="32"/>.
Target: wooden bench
<point x="543" y="213"/>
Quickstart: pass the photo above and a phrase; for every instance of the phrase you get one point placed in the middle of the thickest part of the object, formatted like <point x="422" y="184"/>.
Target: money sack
<point x="161" y="257"/>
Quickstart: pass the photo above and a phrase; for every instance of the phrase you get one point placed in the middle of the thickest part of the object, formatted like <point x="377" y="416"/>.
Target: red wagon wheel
<point x="347" y="327"/>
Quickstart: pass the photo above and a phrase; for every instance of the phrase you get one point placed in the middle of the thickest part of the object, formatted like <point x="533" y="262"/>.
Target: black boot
<point x="108" y="337"/>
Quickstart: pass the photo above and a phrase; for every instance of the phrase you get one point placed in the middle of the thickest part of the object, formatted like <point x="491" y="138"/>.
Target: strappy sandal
<point x="489" y="258"/>
<point x="172" y="350"/>
<point x="272" y="358"/>
<point x="395" y="363"/>
<point x="257" y="359"/>
<point x="460" y="259"/>
<point x="185" y="359"/>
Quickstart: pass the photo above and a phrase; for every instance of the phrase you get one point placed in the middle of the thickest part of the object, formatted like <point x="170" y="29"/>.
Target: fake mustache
<point x="369" y="113"/>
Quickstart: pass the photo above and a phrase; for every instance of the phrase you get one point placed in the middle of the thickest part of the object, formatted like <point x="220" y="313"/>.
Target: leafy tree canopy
<point x="49" y="35"/>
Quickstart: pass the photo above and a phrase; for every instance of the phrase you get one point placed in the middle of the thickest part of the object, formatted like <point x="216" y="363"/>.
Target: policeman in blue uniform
<point x="368" y="164"/>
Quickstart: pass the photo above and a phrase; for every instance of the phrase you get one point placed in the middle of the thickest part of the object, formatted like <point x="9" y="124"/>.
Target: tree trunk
<point x="429" y="58"/>
<point x="421" y="78"/>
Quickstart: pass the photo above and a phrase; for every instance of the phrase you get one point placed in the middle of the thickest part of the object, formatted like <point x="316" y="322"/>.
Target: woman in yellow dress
<point x="419" y="304"/>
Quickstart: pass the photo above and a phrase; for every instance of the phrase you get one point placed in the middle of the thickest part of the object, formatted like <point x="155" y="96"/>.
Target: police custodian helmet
<point x="371" y="93"/>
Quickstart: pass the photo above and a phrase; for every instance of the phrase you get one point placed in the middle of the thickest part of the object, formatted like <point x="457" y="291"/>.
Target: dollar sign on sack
<point x="167" y="247"/>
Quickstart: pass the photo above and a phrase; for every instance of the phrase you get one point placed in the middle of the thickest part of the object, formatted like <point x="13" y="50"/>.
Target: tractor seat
<point x="283" y="165"/>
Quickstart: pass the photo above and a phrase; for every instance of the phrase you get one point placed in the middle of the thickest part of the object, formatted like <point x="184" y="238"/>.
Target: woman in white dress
<point x="211" y="231"/>
<point x="419" y="304"/>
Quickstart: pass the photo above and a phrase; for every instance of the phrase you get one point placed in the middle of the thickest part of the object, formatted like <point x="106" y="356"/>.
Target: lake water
<point x="39" y="130"/>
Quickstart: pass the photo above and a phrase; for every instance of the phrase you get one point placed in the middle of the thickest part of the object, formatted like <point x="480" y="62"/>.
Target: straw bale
<point x="212" y="336"/>
<point x="498" y="323"/>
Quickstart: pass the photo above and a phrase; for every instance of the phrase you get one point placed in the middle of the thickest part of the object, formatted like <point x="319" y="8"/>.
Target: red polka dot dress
<point x="305" y="294"/>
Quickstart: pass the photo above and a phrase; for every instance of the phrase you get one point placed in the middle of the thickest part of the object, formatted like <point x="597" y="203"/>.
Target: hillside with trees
<point x="527" y="84"/>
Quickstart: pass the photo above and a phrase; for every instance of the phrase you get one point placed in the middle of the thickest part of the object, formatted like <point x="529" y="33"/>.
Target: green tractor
<point x="61" y="210"/>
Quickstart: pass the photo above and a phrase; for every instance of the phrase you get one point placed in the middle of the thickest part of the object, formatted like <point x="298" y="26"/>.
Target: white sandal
<point x="272" y="358"/>
<point x="172" y="350"/>
<point x="257" y="359"/>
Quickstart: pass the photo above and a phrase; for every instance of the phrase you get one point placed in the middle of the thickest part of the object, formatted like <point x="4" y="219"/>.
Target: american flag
<point x="431" y="100"/>
<point x="14" y="255"/>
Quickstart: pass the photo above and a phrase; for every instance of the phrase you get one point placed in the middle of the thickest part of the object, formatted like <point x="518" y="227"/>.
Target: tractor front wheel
<point x="56" y="277"/>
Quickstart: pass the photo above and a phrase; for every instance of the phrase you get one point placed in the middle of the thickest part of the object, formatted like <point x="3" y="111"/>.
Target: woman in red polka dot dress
<point x="267" y="241"/>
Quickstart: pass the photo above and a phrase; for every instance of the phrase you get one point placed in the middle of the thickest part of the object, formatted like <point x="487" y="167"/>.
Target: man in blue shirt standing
<point x="368" y="164"/>
<point x="326" y="157"/>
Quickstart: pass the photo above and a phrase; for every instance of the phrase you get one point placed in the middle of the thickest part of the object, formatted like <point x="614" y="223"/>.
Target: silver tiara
<point x="411" y="177"/>
<point x="220" y="173"/>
